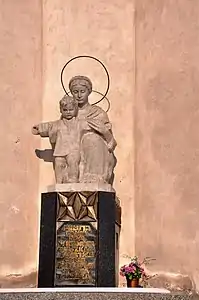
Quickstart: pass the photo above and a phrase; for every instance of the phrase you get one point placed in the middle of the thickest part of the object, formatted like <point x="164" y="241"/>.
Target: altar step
<point x="93" y="294"/>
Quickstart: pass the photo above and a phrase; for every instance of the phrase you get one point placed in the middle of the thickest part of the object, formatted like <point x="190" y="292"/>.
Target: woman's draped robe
<point x="97" y="162"/>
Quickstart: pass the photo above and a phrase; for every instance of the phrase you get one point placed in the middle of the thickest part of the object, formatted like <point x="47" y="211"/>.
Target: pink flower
<point x="132" y="265"/>
<point x="128" y="269"/>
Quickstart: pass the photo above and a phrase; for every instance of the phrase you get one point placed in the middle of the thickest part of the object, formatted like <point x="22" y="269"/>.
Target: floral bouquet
<point x="135" y="269"/>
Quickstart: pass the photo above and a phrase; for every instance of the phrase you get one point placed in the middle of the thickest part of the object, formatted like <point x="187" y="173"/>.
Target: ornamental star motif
<point x="77" y="206"/>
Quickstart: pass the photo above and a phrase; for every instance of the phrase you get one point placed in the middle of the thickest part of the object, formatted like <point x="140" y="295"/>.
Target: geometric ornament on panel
<point x="77" y="206"/>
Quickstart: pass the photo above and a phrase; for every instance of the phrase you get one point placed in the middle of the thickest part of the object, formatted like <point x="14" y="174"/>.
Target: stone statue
<point x="64" y="136"/>
<point x="82" y="139"/>
<point x="97" y="153"/>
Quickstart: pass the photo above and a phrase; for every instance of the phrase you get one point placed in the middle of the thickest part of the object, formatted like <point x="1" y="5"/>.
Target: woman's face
<point x="80" y="93"/>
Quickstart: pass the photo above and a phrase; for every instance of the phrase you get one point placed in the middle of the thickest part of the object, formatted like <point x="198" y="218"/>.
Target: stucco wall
<point x="151" y="50"/>
<point x="104" y="30"/>
<point x="20" y="105"/>
<point x="166" y="135"/>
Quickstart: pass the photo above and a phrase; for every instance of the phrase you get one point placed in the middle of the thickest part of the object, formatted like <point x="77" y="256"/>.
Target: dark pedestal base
<point x="79" y="237"/>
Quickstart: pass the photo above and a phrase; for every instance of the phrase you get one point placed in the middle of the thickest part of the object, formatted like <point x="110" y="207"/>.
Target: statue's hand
<point x="112" y="145"/>
<point x="84" y="125"/>
<point x="35" y="130"/>
<point x="98" y="126"/>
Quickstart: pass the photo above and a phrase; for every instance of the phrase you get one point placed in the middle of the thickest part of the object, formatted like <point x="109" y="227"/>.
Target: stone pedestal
<point x="79" y="239"/>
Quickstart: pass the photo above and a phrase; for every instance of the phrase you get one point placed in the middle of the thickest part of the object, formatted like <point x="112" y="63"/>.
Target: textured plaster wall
<point x="151" y="51"/>
<point x="105" y="30"/>
<point x="20" y="105"/>
<point x="166" y="135"/>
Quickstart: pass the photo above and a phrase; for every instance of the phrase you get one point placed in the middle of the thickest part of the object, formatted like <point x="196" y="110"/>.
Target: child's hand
<point x="35" y="130"/>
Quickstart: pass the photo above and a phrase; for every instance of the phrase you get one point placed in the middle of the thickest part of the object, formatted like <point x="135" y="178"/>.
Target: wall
<point x="150" y="49"/>
<point x="105" y="30"/>
<point x="37" y="38"/>
<point x="20" y="93"/>
<point x="166" y="135"/>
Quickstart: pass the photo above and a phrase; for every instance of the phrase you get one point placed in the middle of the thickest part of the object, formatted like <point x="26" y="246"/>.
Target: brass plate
<point x="76" y="254"/>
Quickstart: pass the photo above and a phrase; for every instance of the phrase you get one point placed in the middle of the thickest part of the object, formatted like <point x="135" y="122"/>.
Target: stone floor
<point x="93" y="294"/>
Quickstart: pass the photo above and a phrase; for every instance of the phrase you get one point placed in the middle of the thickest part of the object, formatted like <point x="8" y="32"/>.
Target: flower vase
<point x="133" y="283"/>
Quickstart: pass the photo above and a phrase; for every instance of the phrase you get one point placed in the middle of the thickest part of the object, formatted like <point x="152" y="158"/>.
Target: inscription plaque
<point x="76" y="254"/>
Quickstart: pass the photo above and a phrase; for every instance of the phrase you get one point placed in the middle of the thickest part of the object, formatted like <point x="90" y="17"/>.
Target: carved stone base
<point x="80" y="187"/>
<point x="79" y="238"/>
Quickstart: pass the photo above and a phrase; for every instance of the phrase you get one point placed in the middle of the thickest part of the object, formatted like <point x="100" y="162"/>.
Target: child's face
<point x="68" y="111"/>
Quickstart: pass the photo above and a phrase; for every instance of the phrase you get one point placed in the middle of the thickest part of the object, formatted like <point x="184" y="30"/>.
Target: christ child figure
<point x="64" y="136"/>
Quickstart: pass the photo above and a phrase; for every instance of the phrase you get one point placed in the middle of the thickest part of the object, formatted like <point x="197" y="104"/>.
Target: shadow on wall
<point x="46" y="155"/>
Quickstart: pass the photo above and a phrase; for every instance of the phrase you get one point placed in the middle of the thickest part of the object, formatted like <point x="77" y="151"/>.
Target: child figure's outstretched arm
<point x="42" y="129"/>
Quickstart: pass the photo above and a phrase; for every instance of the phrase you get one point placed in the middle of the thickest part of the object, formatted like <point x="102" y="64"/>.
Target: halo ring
<point x="105" y="69"/>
